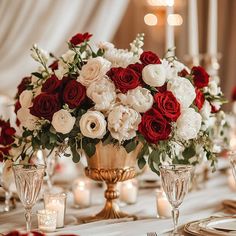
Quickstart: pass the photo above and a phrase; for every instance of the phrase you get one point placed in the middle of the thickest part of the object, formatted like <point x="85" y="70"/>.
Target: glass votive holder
<point x="56" y="202"/>
<point x="129" y="191"/>
<point x="47" y="220"/>
<point x="81" y="192"/>
<point x="164" y="208"/>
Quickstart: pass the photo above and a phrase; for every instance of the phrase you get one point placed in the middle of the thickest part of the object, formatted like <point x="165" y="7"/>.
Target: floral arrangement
<point x="120" y="97"/>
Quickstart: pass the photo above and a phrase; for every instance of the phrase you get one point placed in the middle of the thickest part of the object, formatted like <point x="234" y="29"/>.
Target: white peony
<point x="94" y="70"/>
<point x="206" y="110"/>
<point x="154" y="75"/>
<point x="26" y="119"/>
<point x="93" y="124"/>
<point x="183" y="90"/>
<point x="26" y="98"/>
<point x="140" y="99"/>
<point x="63" y="121"/>
<point x="188" y="124"/>
<point x="102" y="93"/>
<point x="123" y="123"/>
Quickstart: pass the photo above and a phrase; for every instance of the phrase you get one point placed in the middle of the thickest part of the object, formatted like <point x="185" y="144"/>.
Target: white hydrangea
<point x="102" y="93"/>
<point x="154" y="75"/>
<point x="183" y="90"/>
<point x="94" y="70"/>
<point x="140" y="99"/>
<point x="123" y="122"/>
<point x="188" y="124"/>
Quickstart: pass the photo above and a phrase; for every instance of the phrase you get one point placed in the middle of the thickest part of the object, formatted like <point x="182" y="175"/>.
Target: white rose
<point x="26" y="98"/>
<point x="63" y="121"/>
<point x="140" y="99"/>
<point x="123" y="123"/>
<point x="68" y="57"/>
<point x="183" y="90"/>
<point x="154" y="75"/>
<point x="213" y="88"/>
<point x="93" y="124"/>
<point x="206" y="110"/>
<point x="26" y="119"/>
<point x="95" y="69"/>
<point x="102" y="93"/>
<point x="188" y="124"/>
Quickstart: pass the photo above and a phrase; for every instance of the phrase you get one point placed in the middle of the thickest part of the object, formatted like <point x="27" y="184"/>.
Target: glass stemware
<point x="175" y="182"/>
<point x="232" y="158"/>
<point x="28" y="179"/>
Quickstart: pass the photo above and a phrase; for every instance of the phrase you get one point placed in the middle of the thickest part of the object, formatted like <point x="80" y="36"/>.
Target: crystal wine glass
<point x="28" y="179"/>
<point x="175" y="182"/>
<point x="232" y="158"/>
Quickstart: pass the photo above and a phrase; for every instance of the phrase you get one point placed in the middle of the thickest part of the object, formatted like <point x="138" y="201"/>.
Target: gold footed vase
<point x="111" y="164"/>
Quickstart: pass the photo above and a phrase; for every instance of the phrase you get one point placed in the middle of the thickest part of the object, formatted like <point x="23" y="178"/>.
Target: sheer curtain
<point x="49" y="23"/>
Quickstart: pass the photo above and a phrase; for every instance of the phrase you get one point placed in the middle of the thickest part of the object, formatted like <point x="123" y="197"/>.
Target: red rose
<point x="45" y="105"/>
<point x="167" y="105"/>
<point x="138" y="67"/>
<point x="51" y="85"/>
<point x="234" y="94"/>
<point x="80" y="38"/>
<point x="54" y="65"/>
<point x="162" y="88"/>
<point x="6" y="133"/>
<point x="23" y="85"/>
<point x="154" y="126"/>
<point x="17" y="106"/>
<point x="200" y="77"/>
<point x="200" y="99"/>
<point x="124" y="78"/>
<point x="149" y="57"/>
<point x="183" y="73"/>
<point x="74" y="94"/>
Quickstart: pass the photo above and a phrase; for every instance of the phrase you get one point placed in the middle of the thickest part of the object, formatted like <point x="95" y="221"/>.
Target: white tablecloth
<point x="196" y="205"/>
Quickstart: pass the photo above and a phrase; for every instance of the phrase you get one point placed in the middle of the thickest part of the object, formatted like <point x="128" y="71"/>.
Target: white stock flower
<point x="188" y="124"/>
<point x="154" y="75"/>
<point x="39" y="54"/>
<point x="140" y="99"/>
<point x="93" y="124"/>
<point x="26" y="119"/>
<point x="26" y="98"/>
<point x="123" y="122"/>
<point x="206" y="110"/>
<point x="102" y="93"/>
<point x="183" y="90"/>
<point x="95" y="69"/>
<point x="63" y="121"/>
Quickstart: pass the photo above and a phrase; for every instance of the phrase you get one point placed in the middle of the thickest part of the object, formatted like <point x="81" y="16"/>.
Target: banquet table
<point x="197" y="204"/>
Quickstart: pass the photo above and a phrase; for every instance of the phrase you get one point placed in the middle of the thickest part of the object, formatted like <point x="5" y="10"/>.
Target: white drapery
<point x="49" y="23"/>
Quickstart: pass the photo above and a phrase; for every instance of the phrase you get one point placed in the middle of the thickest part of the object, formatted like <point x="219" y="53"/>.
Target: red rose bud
<point x="54" y="65"/>
<point x="200" y="76"/>
<point x="80" y="38"/>
<point x="51" y="85"/>
<point x="23" y="85"/>
<point x="183" y="73"/>
<point x="149" y="57"/>
<point x="154" y="127"/>
<point x="74" y="94"/>
<point x="162" y="88"/>
<point x="167" y="105"/>
<point x="234" y="94"/>
<point x="124" y="78"/>
<point x="45" y="105"/>
<point x="200" y="99"/>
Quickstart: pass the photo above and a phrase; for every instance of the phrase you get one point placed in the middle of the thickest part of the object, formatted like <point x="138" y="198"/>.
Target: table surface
<point x="197" y="204"/>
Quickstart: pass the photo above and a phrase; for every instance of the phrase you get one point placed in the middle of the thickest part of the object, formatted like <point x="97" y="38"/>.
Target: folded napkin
<point x="229" y="206"/>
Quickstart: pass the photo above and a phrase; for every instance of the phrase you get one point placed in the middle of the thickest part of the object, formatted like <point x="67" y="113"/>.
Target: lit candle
<point x="169" y="28"/>
<point x="193" y="30"/>
<point x="56" y="202"/>
<point x="212" y="29"/>
<point x="129" y="191"/>
<point x="163" y="206"/>
<point x="81" y="192"/>
<point x="47" y="220"/>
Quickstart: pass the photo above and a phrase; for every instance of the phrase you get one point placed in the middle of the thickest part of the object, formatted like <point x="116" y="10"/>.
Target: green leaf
<point x="89" y="149"/>
<point x="155" y="156"/>
<point x="141" y="162"/>
<point x="75" y="155"/>
<point x="143" y="151"/>
<point x="189" y="152"/>
<point x="52" y="138"/>
<point x="37" y="75"/>
<point x="130" y="146"/>
<point x="107" y="140"/>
